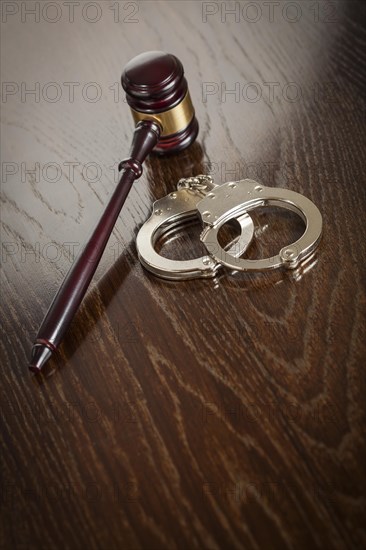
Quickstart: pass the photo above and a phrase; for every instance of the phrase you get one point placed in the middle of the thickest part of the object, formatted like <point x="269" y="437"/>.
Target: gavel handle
<point x="77" y="280"/>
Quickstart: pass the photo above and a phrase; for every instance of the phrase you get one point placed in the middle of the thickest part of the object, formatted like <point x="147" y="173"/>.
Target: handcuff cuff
<point x="200" y="198"/>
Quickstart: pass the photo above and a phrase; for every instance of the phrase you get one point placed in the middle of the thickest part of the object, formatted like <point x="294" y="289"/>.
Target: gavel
<point x="157" y="92"/>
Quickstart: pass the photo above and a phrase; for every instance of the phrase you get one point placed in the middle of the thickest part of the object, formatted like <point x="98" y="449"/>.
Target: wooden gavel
<point x="158" y="95"/>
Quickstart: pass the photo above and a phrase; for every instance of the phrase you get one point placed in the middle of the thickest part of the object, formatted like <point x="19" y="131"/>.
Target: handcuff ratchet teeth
<point x="232" y="199"/>
<point x="216" y="205"/>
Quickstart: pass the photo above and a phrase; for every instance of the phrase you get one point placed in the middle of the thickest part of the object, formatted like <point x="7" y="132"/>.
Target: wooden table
<point x="224" y="413"/>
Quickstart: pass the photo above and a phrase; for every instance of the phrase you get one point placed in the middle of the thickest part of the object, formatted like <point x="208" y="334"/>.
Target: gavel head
<point x="157" y="90"/>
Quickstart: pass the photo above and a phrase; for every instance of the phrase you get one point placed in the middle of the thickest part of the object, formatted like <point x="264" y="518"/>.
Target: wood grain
<point x="199" y="414"/>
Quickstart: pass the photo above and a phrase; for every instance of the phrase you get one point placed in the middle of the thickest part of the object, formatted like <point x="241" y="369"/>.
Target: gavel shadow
<point x="163" y="174"/>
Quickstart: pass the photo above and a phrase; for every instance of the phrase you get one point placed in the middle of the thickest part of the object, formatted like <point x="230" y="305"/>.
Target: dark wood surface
<point x="200" y="414"/>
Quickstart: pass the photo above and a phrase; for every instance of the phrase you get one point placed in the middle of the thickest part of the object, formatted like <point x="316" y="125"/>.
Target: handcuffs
<point x="200" y="198"/>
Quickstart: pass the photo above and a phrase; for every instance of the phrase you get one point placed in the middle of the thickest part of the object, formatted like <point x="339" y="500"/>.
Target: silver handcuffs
<point x="199" y="197"/>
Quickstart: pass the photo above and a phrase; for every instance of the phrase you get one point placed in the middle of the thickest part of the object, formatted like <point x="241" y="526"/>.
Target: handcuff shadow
<point x="288" y="228"/>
